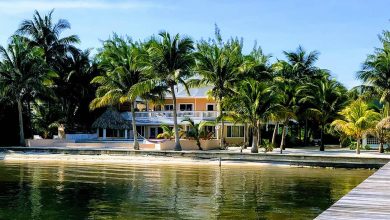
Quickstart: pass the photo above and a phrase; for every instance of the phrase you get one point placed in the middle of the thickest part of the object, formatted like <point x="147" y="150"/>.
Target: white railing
<point x="180" y="114"/>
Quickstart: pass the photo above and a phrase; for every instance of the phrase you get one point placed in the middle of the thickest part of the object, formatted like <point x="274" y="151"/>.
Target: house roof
<point x="194" y="92"/>
<point x="111" y="119"/>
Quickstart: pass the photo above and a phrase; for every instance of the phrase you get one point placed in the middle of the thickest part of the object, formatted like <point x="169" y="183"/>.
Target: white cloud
<point x="12" y="7"/>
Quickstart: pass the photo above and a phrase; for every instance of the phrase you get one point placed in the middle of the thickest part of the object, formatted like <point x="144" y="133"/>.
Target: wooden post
<point x="104" y="133"/>
<point x="125" y="133"/>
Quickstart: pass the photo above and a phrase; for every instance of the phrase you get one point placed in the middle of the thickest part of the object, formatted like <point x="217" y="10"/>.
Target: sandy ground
<point x="98" y="159"/>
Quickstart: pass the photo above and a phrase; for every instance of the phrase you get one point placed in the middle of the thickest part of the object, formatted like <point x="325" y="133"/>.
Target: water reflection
<point x="138" y="191"/>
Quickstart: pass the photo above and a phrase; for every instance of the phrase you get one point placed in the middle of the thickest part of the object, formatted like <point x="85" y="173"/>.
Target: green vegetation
<point x="281" y="102"/>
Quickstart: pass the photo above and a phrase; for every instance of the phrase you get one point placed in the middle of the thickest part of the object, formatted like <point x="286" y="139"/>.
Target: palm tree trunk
<point x="274" y="134"/>
<point x="177" y="138"/>
<point x="246" y="137"/>
<point x="358" y="146"/>
<point x="198" y="143"/>
<point x="134" y="125"/>
<point x="222" y="139"/>
<point x="306" y="133"/>
<point x="322" y="146"/>
<point x="21" y="128"/>
<point x="282" y="142"/>
<point x="254" y="148"/>
<point x="259" y="133"/>
<point x="381" y="150"/>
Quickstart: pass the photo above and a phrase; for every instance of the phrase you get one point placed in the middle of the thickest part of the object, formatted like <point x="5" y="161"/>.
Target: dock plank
<point x="369" y="200"/>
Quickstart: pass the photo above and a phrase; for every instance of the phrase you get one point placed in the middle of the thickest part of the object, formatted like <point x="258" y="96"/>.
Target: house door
<point x="154" y="131"/>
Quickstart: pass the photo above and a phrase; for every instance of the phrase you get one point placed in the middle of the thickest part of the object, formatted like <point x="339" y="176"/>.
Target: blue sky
<point x="343" y="31"/>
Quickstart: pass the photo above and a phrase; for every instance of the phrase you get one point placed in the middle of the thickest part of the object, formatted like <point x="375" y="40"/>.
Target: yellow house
<point x="197" y="106"/>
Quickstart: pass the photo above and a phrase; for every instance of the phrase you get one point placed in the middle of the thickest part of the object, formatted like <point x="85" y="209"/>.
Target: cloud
<point x="12" y="7"/>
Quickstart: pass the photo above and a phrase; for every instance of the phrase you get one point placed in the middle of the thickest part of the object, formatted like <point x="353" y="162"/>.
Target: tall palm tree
<point x="326" y="97"/>
<point x="170" y="62"/>
<point x="122" y="60"/>
<point x="288" y="101"/>
<point x="302" y="63"/>
<point x="302" y="70"/>
<point x="22" y="71"/>
<point x="375" y="72"/>
<point x="358" y="120"/>
<point x="218" y="65"/>
<point x="255" y="101"/>
<point x="43" y="32"/>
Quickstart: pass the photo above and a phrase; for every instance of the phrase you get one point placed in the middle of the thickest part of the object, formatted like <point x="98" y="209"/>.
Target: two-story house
<point x="197" y="106"/>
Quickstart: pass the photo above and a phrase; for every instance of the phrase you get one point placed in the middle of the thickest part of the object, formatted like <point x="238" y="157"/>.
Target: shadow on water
<point x="101" y="191"/>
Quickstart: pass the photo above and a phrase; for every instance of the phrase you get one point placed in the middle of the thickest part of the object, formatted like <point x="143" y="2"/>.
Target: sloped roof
<point x="194" y="92"/>
<point x="111" y="119"/>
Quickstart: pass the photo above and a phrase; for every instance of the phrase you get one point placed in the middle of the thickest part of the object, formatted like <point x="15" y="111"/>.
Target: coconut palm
<point x="288" y="101"/>
<point x="169" y="133"/>
<point x="197" y="130"/>
<point x="218" y="64"/>
<point x="170" y="62"/>
<point x="358" y="119"/>
<point x="381" y="129"/>
<point x="302" y="63"/>
<point x="22" y="72"/>
<point x="255" y="101"/>
<point x="122" y="61"/>
<point x="43" y="32"/>
<point x="326" y="97"/>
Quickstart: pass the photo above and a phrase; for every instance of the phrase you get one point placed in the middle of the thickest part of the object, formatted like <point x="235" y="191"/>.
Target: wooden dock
<point x="369" y="200"/>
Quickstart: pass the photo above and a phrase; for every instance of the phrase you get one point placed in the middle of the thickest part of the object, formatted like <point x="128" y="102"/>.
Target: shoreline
<point x="190" y="157"/>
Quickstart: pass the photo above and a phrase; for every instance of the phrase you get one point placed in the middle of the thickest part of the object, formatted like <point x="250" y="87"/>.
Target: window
<point x="168" y="107"/>
<point x="210" y="107"/>
<point x="185" y="107"/>
<point x="210" y="131"/>
<point x="235" y="131"/>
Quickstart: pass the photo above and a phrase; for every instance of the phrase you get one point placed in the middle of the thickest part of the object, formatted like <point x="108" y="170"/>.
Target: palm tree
<point x="218" y="64"/>
<point x="170" y="62"/>
<point x="197" y="130"/>
<point x="375" y="72"/>
<point x="302" y="70"/>
<point x="357" y="121"/>
<point x="122" y="61"/>
<point x="22" y="71"/>
<point x="381" y="129"/>
<point x="255" y="101"/>
<point x="288" y="101"/>
<point x="44" y="33"/>
<point x="326" y="97"/>
<point x="302" y="63"/>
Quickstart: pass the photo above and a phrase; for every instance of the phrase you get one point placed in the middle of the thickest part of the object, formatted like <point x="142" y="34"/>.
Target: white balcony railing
<point x="180" y="114"/>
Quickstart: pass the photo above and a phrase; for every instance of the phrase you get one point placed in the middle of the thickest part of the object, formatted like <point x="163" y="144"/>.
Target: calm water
<point x="43" y="190"/>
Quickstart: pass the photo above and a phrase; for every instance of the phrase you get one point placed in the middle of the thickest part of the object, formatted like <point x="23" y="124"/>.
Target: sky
<point x="343" y="31"/>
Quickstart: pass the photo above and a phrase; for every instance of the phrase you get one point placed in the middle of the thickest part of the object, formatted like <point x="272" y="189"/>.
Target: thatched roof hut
<point x="111" y="119"/>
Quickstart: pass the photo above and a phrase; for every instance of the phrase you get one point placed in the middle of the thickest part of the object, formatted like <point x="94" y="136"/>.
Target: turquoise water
<point x="65" y="190"/>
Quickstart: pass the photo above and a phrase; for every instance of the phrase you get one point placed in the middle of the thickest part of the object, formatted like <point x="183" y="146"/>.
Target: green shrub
<point x="367" y="147"/>
<point x="346" y="142"/>
<point x="269" y="147"/>
<point x="352" y="145"/>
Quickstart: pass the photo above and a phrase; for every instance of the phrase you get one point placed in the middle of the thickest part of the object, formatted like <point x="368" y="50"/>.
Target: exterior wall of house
<point x="199" y="104"/>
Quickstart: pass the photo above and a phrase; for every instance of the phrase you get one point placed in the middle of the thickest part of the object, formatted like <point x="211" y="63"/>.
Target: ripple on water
<point x="58" y="190"/>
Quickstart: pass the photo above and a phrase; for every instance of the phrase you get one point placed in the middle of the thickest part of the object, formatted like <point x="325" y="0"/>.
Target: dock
<point x="369" y="200"/>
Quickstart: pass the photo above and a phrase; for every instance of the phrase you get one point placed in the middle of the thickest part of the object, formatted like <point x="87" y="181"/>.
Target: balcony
<point x="167" y="116"/>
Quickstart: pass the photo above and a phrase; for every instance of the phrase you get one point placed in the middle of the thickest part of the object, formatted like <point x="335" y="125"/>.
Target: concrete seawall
<point x="292" y="159"/>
